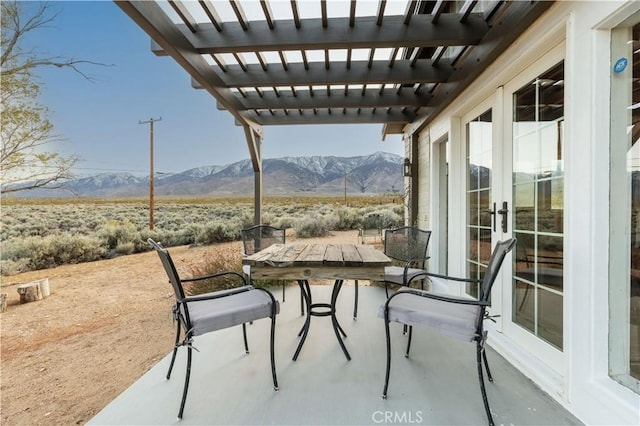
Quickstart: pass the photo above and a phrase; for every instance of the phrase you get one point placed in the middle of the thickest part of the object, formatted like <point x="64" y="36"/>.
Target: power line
<point x="117" y="170"/>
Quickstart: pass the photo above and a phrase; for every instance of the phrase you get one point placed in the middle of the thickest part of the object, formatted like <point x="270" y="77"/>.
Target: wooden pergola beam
<point x="365" y="33"/>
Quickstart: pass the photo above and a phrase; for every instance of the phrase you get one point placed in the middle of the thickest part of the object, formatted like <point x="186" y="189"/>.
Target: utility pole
<point x="150" y="121"/>
<point x="345" y="188"/>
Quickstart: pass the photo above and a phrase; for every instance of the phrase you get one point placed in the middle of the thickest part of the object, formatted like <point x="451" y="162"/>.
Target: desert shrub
<point x="116" y="226"/>
<point x="125" y="248"/>
<point x="217" y="232"/>
<point x="348" y="218"/>
<point x="186" y="235"/>
<point x="115" y="233"/>
<point x="284" y="222"/>
<point x="54" y="250"/>
<point x="381" y="219"/>
<point x="314" y="226"/>
<point x="173" y="237"/>
<point x="245" y="220"/>
<point x="12" y="267"/>
<point x="213" y="263"/>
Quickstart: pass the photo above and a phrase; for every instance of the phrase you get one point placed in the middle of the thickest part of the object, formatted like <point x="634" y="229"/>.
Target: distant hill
<point x="372" y="174"/>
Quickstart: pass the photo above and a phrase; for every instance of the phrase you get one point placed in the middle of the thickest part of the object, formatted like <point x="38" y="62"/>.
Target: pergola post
<point x="254" y="142"/>
<point x="414" y="186"/>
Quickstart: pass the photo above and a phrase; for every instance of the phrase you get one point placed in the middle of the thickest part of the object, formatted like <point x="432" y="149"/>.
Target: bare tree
<point x="25" y="162"/>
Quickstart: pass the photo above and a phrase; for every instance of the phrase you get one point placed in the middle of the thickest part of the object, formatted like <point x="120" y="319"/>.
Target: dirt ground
<point x="104" y="325"/>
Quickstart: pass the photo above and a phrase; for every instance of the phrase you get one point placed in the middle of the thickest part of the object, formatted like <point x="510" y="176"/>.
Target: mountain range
<point x="380" y="172"/>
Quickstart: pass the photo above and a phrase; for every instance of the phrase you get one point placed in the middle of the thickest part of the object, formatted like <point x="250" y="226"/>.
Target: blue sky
<point x="99" y="119"/>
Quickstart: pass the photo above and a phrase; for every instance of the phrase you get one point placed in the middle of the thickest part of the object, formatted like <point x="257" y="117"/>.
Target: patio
<point x="437" y="385"/>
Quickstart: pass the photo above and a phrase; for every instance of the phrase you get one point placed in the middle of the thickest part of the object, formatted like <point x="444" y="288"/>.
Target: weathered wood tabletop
<point x="299" y="261"/>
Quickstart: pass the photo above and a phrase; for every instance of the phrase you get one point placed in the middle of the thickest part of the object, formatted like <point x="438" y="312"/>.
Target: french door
<point x="514" y="146"/>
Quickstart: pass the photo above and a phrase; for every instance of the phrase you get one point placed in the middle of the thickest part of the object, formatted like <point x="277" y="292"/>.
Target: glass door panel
<point x="538" y="205"/>
<point x="479" y="169"/>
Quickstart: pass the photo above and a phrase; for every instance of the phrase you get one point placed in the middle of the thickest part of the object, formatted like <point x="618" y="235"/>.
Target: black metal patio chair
<point x="258" y="238"/>
<point x="204" y="313"/>
<point x="457" y="317"/>
<point x="407" y="245"/>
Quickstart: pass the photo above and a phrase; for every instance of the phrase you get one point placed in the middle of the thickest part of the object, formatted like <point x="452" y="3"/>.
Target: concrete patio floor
<point x="437" y="385"/>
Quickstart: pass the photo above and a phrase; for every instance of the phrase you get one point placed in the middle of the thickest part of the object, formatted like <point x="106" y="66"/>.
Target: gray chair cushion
<point x="453" y="319"/>
<point x="394" y="274"/>
<point x="216" y="314"/>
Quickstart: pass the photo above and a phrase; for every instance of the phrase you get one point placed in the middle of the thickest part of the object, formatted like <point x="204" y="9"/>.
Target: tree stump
<point x="29" y="292"/>
<point x="44" y="287"/>
<point x="3" y="302"/>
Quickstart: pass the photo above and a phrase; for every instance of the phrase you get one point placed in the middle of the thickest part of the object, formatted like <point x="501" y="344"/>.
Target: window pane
<point x="525" y="257"/>
<point x="524" y="202"/>
<point x="473" y="246"/>
<point x="472" y="203"/>
<point x="551" y="205"/>
<point x="550" y="314"/>
<point x="484" y="201"/>
<point x="473" y="289"/>
<point x="484" y="246"/>
<point x="524" y="306"/>
<point x="550" y="261"/>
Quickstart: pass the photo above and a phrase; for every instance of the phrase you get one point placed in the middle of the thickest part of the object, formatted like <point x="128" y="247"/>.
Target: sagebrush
<point x="46" y="233"/>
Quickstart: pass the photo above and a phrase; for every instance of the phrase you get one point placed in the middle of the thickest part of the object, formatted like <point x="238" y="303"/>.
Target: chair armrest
<point x="412" y="261"/>
<point x="440" y="297"/>
<point x="219" y="274"/>
<point x="446" y="277"/>
<point x="218" y="295"/>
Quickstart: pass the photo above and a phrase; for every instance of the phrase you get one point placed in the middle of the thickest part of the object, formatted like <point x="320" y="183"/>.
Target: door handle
<point x="504" y="211"/>
<point x="493" y="213"/>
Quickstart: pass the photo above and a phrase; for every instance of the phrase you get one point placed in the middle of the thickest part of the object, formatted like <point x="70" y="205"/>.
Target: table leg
<point x="306" y="291"/>
<point x="336" y="325"/>
<point x="330" y="310"/>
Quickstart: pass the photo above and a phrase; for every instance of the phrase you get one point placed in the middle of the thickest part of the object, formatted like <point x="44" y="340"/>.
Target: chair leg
<point x="388" y="370"/>
<point x="406" y="355"/>
<point x="186" y="382"/>
<point x="283" y="296"/>
<point x="481" y="379"/>
<point x="175" y="350"/>
<point x="302" y="303"/>
<point x="486" y="364"/>
<point x="355" y="303"/>
<point x="244" y="335"/>
<point x="272" y="349"/>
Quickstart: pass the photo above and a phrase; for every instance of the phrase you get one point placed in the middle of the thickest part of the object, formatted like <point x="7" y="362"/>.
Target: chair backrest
<point x="169" y="268"/>
<point x="259" y="237"/>
<point x="501" y="249"/>
<point x="407" y="243"/>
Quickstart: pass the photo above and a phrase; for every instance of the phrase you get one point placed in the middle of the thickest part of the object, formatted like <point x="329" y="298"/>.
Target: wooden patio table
<point x="302" y="262"/>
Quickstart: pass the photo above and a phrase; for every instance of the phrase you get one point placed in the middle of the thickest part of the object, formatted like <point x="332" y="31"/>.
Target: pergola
<point x="397" y="64"/>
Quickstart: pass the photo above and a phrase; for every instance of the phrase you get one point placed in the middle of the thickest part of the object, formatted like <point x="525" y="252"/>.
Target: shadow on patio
<point x="437" y="385"/>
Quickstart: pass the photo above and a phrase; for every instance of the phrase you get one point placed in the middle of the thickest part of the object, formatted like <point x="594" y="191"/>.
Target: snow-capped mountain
<point x="376" y="173"/>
